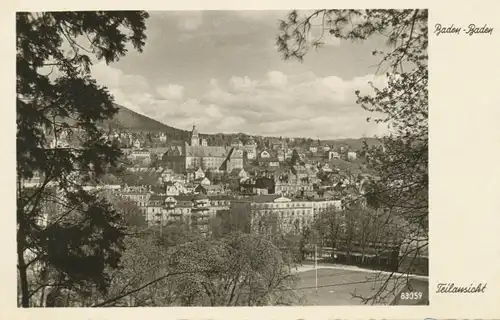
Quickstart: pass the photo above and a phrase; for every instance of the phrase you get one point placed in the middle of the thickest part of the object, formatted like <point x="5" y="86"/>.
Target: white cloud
<point x="295" y="105"/>
<point x="171" y="91"/>
<point x="230" y="124"/>
<point x="213" y="111"/>
<point x="128" y="90"/>
<point x="244" y="83"/>
<point x="277" y="79"/>
<point x="277" y="104"/>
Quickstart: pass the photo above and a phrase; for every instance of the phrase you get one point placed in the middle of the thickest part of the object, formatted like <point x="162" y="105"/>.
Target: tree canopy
<point x="57" y="99"/>
<point x="236" y="270"/>
<point x="401" y="163"/>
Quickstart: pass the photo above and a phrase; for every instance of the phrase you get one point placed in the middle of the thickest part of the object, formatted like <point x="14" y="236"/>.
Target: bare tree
<point x="401" y="163"/>
<point x="240" y="269"/>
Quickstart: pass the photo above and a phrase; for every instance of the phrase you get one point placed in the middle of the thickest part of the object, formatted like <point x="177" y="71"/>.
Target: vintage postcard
<point x="276" y="160"/>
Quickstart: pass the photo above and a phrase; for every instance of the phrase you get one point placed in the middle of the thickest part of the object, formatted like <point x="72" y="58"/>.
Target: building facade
<point x="351" y="155"/>
<point x="196" y="154"/>
<point x="251" y="149"/>
<point x="292" y="215"/>
<point x="196" y="209"/>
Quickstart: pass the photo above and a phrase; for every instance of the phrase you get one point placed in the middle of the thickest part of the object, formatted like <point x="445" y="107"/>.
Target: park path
<point x="305" y="268"/>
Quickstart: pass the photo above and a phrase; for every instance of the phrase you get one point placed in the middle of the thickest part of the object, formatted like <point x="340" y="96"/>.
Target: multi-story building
<point x="351" y="155"/>
<point x="292" y="215"/>
<point x="184" y="156"/>
<point x="181" y="209"/>
<point x="292" y="187"/>
<point x="200" y="212"/>
<point x="155" y="210"/>
<point x="137" y="144"/>
<point x="163" y="137"/>
<point x="264" y="154"/>
<point x="333" y="155"/>
<point x="216" y="189"/>
<point x="195" y="209"/>
<point x="281" y="155"/>
<point x="233" y="161"/>
<point x="220" y="202"/>
<point x="140" y="155"/>
<point x="260" y="185"/>
<point x="251" y="149"/>
<point x="174" y="189"/>
<point x="139" y="195"/>
<point x="269" y="162"/>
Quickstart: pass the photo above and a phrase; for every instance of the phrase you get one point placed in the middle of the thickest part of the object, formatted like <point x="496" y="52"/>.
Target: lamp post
<point x="316" y="264"/>
<point x="315" y="240"/>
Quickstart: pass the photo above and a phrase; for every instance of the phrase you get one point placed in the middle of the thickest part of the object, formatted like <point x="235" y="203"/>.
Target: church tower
<point x="195" y="139"/>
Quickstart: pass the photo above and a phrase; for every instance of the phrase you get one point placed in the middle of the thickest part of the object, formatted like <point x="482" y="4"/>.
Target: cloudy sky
<point x="221" y="71"/>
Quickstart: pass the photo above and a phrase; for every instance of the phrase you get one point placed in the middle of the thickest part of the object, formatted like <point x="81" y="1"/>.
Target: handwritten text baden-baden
<point x="471" y="29"/>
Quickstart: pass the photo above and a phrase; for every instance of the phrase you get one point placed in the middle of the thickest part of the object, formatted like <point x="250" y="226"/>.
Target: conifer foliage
<point x="67" y="237"/>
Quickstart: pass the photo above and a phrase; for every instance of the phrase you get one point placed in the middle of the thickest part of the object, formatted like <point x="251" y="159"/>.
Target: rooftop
<point x="201" y="151"/>
<point x="221" y="197"/>
<point x="183" y="198"/>
<point x="262" y="198"/>
<point x="200" y="197"/>
<point x="157" y="197"/>
<point x="270" y="159"/>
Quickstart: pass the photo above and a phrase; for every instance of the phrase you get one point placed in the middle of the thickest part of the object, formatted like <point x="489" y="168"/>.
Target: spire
<point x="195" y="141"/>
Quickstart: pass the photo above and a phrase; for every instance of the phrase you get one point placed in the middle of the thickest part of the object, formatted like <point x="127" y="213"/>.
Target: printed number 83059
<point x="411" y="295"/>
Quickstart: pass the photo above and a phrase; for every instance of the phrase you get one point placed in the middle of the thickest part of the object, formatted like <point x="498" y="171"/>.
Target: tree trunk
<point x="21" y="264"/>
<point x="42" y="298"/>
<point x="45" y="276"/>
<point x="23" y="277"/>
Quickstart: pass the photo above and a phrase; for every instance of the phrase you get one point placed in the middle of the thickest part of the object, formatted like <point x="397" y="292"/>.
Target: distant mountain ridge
<point x="128" y="120"/>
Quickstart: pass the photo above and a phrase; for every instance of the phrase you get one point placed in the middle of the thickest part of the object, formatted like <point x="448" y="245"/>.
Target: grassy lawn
<point x="336" y="286"/>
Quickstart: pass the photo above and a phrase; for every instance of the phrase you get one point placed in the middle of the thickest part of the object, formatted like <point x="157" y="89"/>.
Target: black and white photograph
<point x="222" y="158"/>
